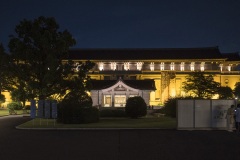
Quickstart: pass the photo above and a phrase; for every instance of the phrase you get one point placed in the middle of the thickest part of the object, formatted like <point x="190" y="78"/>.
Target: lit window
<point x="113" y="65"/>
<point x="126" y="66"/>
<point x="192" y="66"/>
<point x="182" y="66"/>
<point x="202" y="66"/>
<point x="152" y="66"/>
<point x="139" y="65"/>
<point x="100" y="66"/>
<point x="221" y="67"/>
<point x="172" y="66"/>
<point x="229" y="67"/>
<point x="162" y="66"/>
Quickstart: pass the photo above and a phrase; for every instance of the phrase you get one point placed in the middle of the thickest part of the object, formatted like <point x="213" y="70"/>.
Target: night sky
<point x="134" y="23"/>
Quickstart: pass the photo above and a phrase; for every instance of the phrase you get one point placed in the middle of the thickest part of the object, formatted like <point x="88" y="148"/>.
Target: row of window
<point x="162" y="66"/>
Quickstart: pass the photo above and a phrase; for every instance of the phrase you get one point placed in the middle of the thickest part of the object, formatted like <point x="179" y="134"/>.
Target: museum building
<point x="154" y="74"/>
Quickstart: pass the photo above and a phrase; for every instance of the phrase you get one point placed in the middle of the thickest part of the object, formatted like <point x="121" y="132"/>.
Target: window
<point x="221" y="67"/>
<point x="139" y="66"/>
<point x="107" y="101"/>
<point x="152" y="66"/>
<point x="192" y="66"/>
<point x="113" y="65"/>
<point x="100" y="66"/>
<point x="162" y="66"/>
<point x="182" y="66"/>
<point x="120" y="100"/>
<point x="172" y="66"/>
<point x="229" y="67"/>
<point x="126" y="66"/>
<point x="202" y="66"/>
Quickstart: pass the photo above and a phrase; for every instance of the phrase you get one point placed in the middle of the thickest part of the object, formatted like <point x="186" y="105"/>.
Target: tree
<point x="200" y="85"/>
<point x="225" y="93"/>
<point x="5" y="75"/>
<point x="38" y="50"/>
<point x="236" y="90"/>
<point x="136" y="107"/>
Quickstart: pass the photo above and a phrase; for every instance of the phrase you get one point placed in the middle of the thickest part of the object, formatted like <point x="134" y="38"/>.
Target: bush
<point x="27" y="107"/>
<point x="15" y="106"/>
<point x="112" y="113"/>
<point x="170" y="106"/>
<point x="75" y="109"/>
<point x="76" y="115"/>
<point x="136" y="107"/>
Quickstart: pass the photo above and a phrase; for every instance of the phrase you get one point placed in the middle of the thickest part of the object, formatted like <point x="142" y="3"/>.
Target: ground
<point x="150" y="144"/>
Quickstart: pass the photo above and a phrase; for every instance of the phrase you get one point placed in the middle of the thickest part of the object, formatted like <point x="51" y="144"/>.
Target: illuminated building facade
<point x="154" y="74"/>
<point x="160" y="71"/>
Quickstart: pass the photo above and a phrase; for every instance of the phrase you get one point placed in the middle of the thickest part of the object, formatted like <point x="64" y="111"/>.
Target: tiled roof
<point x="145" y="54"/>
<point x="137" y="84"/>
<point x="232" y="56"/>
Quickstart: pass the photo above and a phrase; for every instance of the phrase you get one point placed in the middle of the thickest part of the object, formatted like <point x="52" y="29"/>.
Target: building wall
<point x="168" y="81"/>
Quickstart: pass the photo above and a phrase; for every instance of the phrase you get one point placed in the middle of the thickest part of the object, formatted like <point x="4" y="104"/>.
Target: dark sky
<point x="134" y="23"/>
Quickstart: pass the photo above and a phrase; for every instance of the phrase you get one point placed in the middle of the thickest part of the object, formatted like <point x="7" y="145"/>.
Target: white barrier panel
<point x="185" y="114"/>
<point x="219" y="111"/>
<point x="202" y="113"/>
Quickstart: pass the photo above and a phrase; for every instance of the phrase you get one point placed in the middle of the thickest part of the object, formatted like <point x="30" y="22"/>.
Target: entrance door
<point x="119" y="100"/>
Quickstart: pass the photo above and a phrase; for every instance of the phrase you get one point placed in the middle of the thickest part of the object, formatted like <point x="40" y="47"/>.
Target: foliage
<point x="72" y="114"/>
<point x="77" y="99"/>
<point x="202" y="86"/>
<point x="5" y="75"/>
<point x="27" y="107"/>
<point x="38" y="50"/>
<point x="236" y="90"/>
<point x="20" y="93"/>
<point x="76" y="108"/>
<point x="225" y="93"/>
<point x="112" y="113"/>
<point x="2" y="98"/>
<point x="136" y="107"/>
<point x="14" y="106"/>
<point x="170" y="106"/>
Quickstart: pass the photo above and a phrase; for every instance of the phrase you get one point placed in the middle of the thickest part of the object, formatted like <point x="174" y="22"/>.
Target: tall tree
<point x="201" y="85"/>
<point x="5" y="75"/>
<point x="38" y="49"/>
<point x="236" y="90"/>
<point x="225" y="93"/>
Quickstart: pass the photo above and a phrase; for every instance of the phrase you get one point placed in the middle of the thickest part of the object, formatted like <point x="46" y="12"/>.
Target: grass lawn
<point x="5" y="112"/>
<point x="146" y="122"/>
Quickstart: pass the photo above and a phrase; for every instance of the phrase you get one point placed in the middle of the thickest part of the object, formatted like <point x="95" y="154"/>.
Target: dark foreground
<point x="114" y="144"/>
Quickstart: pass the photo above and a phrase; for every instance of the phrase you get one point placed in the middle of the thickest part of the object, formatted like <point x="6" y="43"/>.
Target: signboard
<point x="40" y="109"/>
<point x="54" y="109"/>
<point x="33" y="109"/>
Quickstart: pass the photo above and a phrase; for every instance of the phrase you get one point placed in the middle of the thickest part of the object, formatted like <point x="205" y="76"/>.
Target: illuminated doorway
<point x="120" y="100"/>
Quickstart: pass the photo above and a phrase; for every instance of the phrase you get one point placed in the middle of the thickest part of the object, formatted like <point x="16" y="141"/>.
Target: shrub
<point x="27" y="107"/>
<point x="15" y="106"/>
<point x="112" y="113"/>
<point x="70" y="114"/>
<point x="136" y="107"/>
<point x="170" y="106"/>
<point x="75" y="109"/>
